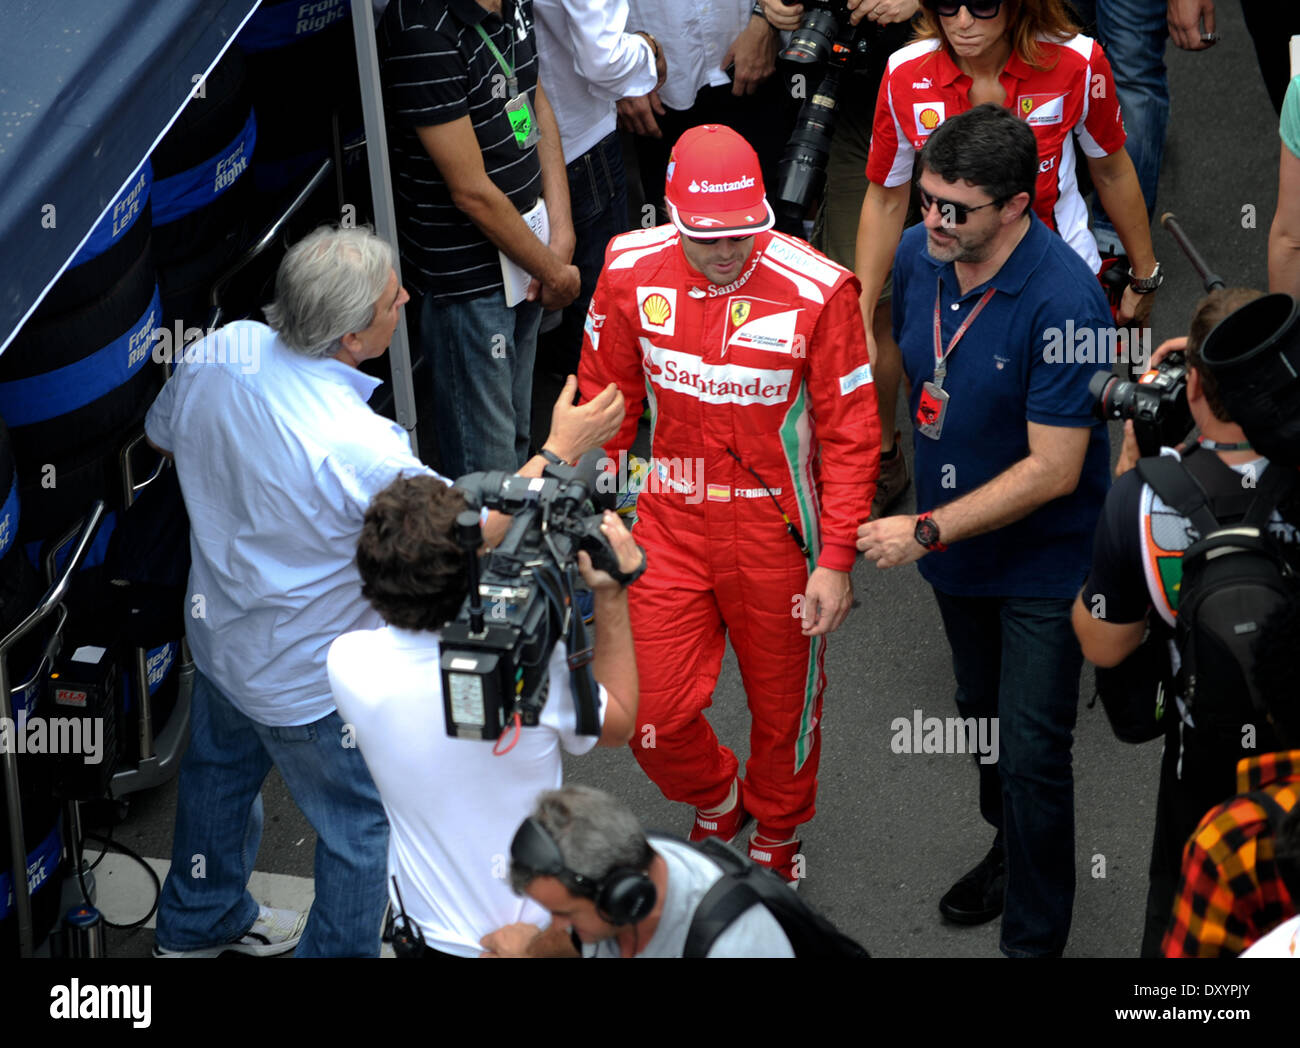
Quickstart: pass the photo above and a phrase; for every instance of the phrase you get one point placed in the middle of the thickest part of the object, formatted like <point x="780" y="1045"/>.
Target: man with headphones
<point x="613" y="892"/>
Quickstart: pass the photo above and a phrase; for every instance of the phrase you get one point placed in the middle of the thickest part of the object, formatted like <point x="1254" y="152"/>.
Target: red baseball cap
<point x="715" y="185"/>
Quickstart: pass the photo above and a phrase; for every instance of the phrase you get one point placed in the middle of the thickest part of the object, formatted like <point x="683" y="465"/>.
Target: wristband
<point x="759" y="10"/>
<point x="552" y="457"/>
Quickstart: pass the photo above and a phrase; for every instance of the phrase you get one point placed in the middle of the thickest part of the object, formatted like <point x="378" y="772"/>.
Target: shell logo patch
<point x="657" y="306"/>
<point x="928" y="115"/>
<point x="656" y="309"/>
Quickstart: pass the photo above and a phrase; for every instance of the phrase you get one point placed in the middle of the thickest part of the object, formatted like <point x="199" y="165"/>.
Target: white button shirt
<point x="278" y="457"/>
<point x="695" y="35"/>
<point x="587" y="62"/>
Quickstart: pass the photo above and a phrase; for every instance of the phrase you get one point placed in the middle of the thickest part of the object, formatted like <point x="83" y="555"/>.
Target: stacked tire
<point x="75" y="384"/>
<point x="42" y="844"/>
<point x="302" y="66"/>
<point x="202" y="194"/>
<point x="79" y="375"/>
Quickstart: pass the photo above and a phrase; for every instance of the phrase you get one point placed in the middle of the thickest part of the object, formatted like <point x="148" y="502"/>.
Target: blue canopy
<point x="87" y="89"/>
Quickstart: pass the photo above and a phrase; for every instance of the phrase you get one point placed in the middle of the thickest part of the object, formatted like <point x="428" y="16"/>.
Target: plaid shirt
<point x="1230" y="893"/>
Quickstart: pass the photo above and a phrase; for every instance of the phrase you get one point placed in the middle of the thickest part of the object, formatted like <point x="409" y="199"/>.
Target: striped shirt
<point x="436" y="68"/>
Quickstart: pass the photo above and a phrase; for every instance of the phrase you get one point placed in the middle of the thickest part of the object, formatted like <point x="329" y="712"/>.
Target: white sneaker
<point x="274" y="932"/>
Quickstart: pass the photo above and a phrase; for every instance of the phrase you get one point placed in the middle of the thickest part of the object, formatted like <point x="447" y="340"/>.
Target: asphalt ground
<point x="893" y="831"/>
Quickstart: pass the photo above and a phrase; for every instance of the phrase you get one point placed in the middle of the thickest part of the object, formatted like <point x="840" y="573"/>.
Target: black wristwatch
<point x="759" y="10"/>
<point x="927" y="533"/>
<point x="1146" y="285"/>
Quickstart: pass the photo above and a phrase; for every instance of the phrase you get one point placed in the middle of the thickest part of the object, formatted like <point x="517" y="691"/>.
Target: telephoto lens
<point x="812" y="42"/>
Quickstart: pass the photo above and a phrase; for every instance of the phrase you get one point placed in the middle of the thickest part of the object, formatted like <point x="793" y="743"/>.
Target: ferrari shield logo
<point x="1026" y="105"/>
<point x="739" y="313"/>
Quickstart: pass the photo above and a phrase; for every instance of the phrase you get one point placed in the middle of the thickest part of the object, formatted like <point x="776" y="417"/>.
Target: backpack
<point x="1234" y="578"/>
<point x="745" y="883"/>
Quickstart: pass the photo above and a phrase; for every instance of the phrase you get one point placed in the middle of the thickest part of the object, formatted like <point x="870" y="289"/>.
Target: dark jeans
<point x="598" y="198"/>
<point x="219" y="818"/>
<point x="1017" y="659"/>
<point x="481" y="353"/>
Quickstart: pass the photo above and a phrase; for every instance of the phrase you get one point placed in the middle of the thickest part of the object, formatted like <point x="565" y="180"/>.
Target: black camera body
<point x="496" y="652"/>
<point x="825" y="32"/>
<point x="1156" y="402"/>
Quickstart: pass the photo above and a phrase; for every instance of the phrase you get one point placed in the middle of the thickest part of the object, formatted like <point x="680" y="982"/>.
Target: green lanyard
<point x="512" y="81"/>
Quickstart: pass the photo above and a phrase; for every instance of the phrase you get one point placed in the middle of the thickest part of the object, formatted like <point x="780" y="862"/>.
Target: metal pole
<point x="381" y="191"/>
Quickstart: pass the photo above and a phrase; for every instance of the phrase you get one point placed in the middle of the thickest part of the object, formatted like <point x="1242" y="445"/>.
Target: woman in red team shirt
<point x="1025" y="55"/>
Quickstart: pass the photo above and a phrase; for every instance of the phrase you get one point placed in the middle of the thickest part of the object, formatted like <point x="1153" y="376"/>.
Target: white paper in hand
<point x="515" y="278"/>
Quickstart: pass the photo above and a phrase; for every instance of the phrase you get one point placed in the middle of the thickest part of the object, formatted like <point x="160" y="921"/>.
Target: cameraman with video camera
<point x="453" y="801"/>
<point x="1145" y="557"/>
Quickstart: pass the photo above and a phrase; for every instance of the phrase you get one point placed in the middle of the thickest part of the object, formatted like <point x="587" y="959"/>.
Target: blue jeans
<point x="1133" y="34"/>
<point x="1017" y="658"/>
<point x="598" y="197"/>
<point x="482" y="353"/>
<point x="205" y="900"/>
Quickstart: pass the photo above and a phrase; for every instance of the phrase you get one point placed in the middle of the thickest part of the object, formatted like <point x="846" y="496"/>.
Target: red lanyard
<point x="940" y="356"/>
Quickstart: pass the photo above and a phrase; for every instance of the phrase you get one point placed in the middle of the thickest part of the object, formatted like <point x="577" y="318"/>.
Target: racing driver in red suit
<point x="750" y="349"/>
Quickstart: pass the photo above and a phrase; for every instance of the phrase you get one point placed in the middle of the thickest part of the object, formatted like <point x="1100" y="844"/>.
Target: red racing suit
<point x="762" y="403"/>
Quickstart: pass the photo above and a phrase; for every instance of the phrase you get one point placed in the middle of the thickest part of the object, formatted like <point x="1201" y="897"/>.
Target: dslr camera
<point x="1156" y="402"/>
<point x="496" y="652"/>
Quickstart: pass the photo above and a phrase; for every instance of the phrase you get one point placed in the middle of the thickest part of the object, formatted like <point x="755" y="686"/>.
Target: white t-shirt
<point x="755" y="933"/>
<point x="453" y="807"/>
<point x="1282" y="941"/>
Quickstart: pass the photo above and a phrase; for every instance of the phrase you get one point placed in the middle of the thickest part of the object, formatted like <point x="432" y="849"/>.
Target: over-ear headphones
<point x="623" y="896"/>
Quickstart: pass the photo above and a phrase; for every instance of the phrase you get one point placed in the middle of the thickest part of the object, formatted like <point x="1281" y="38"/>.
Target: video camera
<point x="825" y="37"/>
<point x="496" y="652"/>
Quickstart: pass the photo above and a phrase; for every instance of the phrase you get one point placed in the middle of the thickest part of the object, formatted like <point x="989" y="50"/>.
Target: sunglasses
<point x="952" y="212"/>
<point x="978" y="9"/>
<point x="710" y="241"/>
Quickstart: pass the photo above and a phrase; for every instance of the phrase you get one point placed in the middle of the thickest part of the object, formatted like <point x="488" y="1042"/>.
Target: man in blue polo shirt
<point x="994" y="312"/>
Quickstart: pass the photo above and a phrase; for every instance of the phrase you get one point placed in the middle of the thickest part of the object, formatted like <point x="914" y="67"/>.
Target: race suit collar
<point x="700" y="286"/>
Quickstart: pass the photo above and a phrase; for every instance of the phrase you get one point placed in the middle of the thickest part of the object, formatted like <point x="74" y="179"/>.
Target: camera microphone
<point x="469" y="536"/>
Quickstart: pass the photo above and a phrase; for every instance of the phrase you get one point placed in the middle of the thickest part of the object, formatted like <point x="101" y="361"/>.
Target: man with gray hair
<point x="614" y="892"/>
<point x="278" y="456"/>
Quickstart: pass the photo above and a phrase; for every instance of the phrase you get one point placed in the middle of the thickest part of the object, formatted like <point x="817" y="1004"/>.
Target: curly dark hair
<point x="412" y="570"/>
